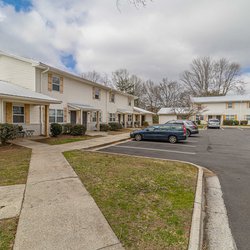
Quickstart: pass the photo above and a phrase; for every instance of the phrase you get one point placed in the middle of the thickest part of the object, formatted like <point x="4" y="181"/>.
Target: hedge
<point x="8" y="132"/>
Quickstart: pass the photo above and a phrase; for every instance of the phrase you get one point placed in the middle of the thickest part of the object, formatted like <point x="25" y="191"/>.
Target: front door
<point x="73" y="117"/>
<point x="84" y="119"/>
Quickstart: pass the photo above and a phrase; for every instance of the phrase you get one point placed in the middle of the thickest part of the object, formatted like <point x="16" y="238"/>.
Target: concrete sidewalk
<point x="58" y="212"/>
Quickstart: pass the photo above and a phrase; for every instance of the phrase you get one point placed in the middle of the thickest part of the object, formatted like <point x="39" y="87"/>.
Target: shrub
<point x="67" y="129"/>
<point x="245" y="122"/>
<point x="145" y="124"/>
<point x="78" y="129"/>
<point x="104" y="127"/>
<point x="55" y="129"/>
<point x="8" y="132"/>
<point x="155" y="119"/>
<point x="198" y="122"/>
<point x="235" y="122"/>
<point x="228" y="122"/>
<point x="115" y="126"/>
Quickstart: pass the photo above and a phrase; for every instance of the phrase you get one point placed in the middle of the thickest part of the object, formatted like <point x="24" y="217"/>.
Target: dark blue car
<point x="165" y="132"/>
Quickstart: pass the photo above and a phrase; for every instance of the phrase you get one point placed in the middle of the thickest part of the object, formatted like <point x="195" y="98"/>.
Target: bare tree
<point x="150" y="96"/>
<point x="97" y="77"/>
<point x="208" y="77"/>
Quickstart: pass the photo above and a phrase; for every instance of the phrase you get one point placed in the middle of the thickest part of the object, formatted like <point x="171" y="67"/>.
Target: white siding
<point x="165" y="118"/>
<point x="149" y="119"/>
<point x="18" y="72"/>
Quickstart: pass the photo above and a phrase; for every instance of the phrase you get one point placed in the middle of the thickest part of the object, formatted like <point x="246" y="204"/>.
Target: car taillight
<point x="184" y="130"/>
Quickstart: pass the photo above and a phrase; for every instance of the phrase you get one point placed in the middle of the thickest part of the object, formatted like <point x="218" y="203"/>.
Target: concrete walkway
<point x="58" y="212"/>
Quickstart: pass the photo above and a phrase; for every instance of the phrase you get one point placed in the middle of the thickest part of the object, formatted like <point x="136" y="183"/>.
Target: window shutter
<point x="235" y="117"/>
<point x="27" y="113"/>
<point x="226" y="105"/>
<point x="65" y="115"/>
<point x="9" y="116"/>
<point x="224" y="117"/>
<point x="233" y="105"/>
<point x="49" y="82"/>
<point x="61" y="85"/>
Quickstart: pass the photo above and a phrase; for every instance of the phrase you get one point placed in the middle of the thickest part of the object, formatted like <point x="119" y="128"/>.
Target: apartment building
<point x="34" y="94"/>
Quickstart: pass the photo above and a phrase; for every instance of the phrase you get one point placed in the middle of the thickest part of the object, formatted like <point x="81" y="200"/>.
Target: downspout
<point x="40" y="108"/>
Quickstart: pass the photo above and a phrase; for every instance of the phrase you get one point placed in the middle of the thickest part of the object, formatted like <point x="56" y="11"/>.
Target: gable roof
<point x="143" y="111"/>
<point x="44" y="66"/>
<point x="216" y="99"/>
<point x="10" y="90"/>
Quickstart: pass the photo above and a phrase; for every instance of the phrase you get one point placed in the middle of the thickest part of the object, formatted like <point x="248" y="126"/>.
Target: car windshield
<point x="189" y="122"/>
<point x="215" y="120"/>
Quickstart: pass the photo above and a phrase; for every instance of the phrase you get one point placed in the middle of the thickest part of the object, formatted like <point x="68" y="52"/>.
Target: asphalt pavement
<point x="224" y="151"/>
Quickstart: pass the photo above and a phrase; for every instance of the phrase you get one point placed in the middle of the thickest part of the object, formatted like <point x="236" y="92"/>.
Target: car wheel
<point x="172" y="139"/>
<point x="138" y="137"/>
<point x="188" y="133"/>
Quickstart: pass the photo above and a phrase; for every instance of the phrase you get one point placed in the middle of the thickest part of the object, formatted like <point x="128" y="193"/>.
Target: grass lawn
<point x="14" y="164"/>
<point x="65" y="139"/>
<point x="148" y="203"/>
<point x="7" y="233"/>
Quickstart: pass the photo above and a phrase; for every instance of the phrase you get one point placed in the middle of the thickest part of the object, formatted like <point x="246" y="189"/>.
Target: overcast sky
<point x="156" y="41"/>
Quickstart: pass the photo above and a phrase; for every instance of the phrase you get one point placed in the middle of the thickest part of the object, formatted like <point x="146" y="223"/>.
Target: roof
<point x="216" y="99"/>
<point x="143" y="111"/>
<point x="86" y="107"/>
<point x="173" y="111"/>
<point x="11" y="90"/>
<point x="124" y="111"/>
<point x="44" y="66"/>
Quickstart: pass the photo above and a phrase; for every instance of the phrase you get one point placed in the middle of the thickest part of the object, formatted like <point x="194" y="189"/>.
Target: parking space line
<point x="241" y="129"/>
<point x="161" y="150"/>
<point x="183" y="145"/>
<point x="222" y="128"/>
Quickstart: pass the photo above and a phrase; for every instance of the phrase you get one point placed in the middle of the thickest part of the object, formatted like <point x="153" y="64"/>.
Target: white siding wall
<point x="18" y="72"/>
<point x="149" y="119"/>
<point x="239" y="109"/>
<point x="1" y="112"/>
<point x="165" y="118"/>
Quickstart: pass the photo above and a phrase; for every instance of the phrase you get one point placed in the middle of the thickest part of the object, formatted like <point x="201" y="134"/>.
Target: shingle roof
<point x="216" y="99"/>
<point x="15" y="91"/>
<point x="143" y="111"/>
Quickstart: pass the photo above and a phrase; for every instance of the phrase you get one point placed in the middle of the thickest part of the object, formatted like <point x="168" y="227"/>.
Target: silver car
<point x="191" y="127"/>
<point x="213" y="123"/>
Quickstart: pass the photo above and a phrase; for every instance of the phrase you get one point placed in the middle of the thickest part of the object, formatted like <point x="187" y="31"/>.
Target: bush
<point x="115" y="126"/>
<point x="78" y="129"/>
<point x="235" y="122"/>
<point x="198" y="122"/>
<point x="67" y="129"/>
<point x="244" y="123"/>
<point x="228" y="122"/>
<point x="55" y="129"/>
<point x="145" y="124"/>
<point x="104" y="127"/>
<point x="155" y="119"/>
<point x="8" y="132"/>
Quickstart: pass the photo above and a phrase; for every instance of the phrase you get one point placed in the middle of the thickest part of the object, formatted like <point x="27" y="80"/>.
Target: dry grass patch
<point x="148" y="203"/>
<point x="7" y="233"/>
<point x="14" y="164"/>
<point x="62" y="139"/>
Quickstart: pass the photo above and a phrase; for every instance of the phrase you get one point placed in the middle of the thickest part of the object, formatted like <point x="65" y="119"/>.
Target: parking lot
<point x="226" y="152"/>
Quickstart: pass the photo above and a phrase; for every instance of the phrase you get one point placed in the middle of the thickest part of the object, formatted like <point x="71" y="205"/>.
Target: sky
<point x="156" y="41"/>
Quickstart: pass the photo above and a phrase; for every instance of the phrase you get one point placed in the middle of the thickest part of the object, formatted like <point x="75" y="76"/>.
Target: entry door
<point x="73" y="117"/>
<point x="84" y="119"/>
<point x="119" y="118"/>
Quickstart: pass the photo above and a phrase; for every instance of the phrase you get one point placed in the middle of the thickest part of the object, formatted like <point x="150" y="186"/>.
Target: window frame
<point x="58" y="85"/>
<point x="97" y="93"/>
<point x="55" y="116"/>
<point x="112" y="99"/>
<point x="230" y="117"/>
<point x="230" y="105"/>
<point x="112" y="117"/>
<point x="129" y="102"/>
<point x="18" y="114"/>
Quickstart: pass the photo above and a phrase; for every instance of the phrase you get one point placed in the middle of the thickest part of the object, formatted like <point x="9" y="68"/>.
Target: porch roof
<point x="79" y="106"/>
<point x="12" y="91"/>
<point x="124" y="111"/>
<point x="142" y="111"/>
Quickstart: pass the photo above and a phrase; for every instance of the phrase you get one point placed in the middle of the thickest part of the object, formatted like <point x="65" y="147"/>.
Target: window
<point x="248" y="117"/>
<point x="94" y="116"/>
<point x="230" y="117"/>
<point x="129" y="102"/>
<point x="18" y="114"/>
<point x="111" y="117"/>
<point x="129" y="118"/>
<point x="229" y="105"/>
<point x="56" y="83"/>
<point x="112" y="97"/>
<point x="96" y="93"/>
<point x="248" y="104"/>
<point x="100" y="116"/>
<point x="55" y="115"/>
<point x="199" y="117"/>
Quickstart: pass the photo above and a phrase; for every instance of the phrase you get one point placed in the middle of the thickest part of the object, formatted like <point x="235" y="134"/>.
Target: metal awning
<point x="124" y="111"/>
<point x="85" y="107"/>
